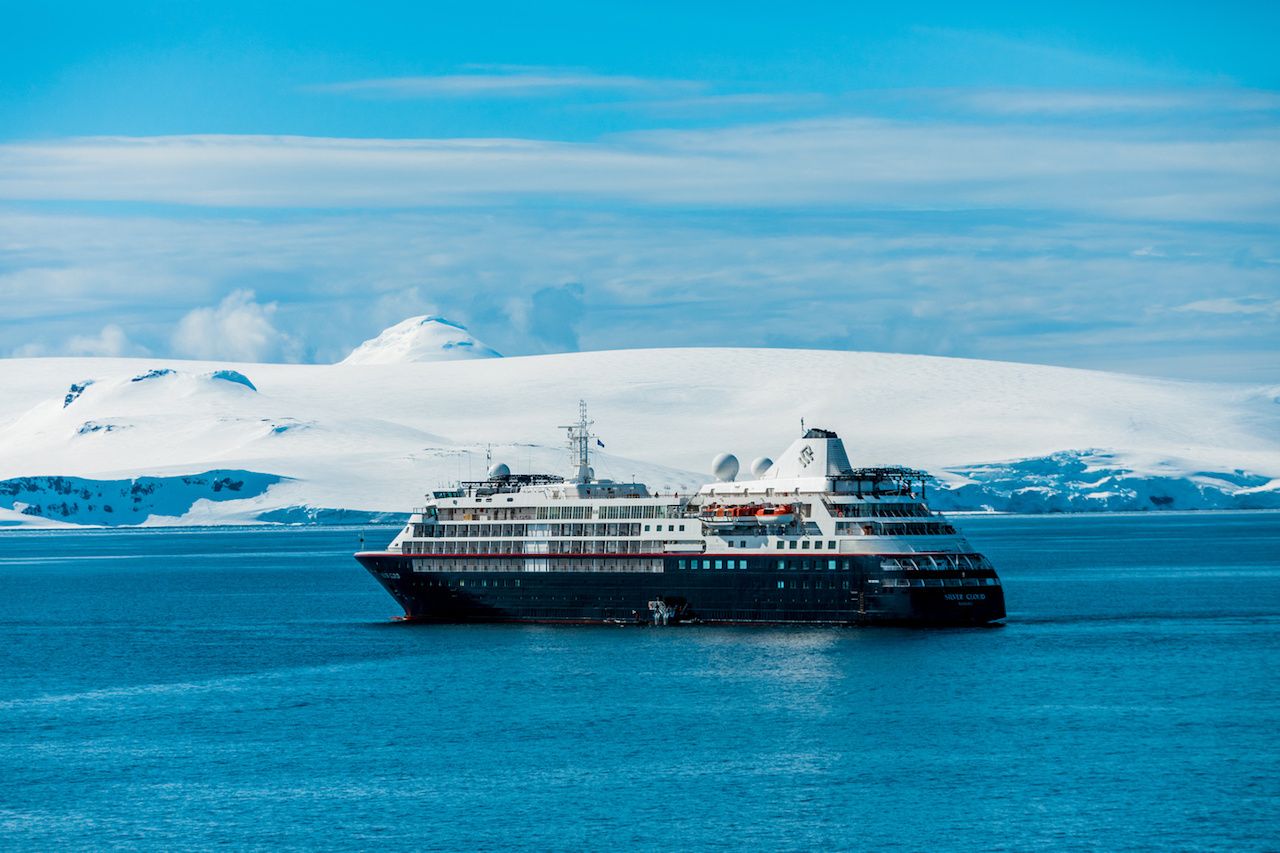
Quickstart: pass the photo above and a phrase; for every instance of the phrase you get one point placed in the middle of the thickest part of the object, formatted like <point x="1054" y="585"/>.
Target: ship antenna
<point x="802" y="429"/>
<point x="580" y="443"/>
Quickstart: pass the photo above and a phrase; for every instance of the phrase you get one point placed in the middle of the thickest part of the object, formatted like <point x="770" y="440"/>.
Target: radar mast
<point x="580" y="444"/>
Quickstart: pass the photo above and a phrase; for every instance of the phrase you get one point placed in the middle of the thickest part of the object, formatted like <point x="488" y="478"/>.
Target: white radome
<point x="499" y="471"/>
<point x="725" y="467"/>
<point x="760" y="466"/>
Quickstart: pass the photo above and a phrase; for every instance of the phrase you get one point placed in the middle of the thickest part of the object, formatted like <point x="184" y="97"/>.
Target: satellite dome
<point x="761" y="465"/>
<point x="499" y="471"/>
<point x="725" y="467"/>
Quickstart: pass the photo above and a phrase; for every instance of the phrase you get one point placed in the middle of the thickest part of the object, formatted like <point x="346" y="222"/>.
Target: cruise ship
<point x="808" y="540"/>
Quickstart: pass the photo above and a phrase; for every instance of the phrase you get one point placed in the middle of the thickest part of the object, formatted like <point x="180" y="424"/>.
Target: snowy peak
<point x="426" y="338"/>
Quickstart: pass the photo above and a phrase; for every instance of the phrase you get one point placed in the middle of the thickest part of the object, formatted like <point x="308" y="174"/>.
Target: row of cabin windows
<point x="523" y="530"/>
<point x="610" y="565"/>
<point x="422" y="531"/>
<point x="608" y="511"/>
<point x="869" y="510"/>
<point x="803" y="544"/>
<point x="895" y="528"/>
<point x="804" y="583"/>
<point x="936" y="562"/>
<point x="935" y="582"/>
<point x="532" y="546"/>
<point x="632" y="511"/>
<point x="783" y="544"/>
<point x="478" y="513"/>
<point x="783" y="565"/>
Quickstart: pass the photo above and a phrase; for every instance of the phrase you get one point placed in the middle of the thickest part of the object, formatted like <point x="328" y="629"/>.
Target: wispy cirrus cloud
<point x="1260" y="306"/>
<point x="844" y="163"/>
<point x="1075" y="103"/>
<point x="506" y="82"/>
<point x="712" y="103"/>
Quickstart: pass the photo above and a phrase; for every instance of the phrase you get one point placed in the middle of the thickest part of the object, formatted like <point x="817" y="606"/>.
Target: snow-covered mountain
<point x="427" y="338"/>
<point x="166" y="441"/>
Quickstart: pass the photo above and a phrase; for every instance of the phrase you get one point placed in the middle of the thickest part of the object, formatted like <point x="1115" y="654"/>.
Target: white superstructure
<point x="811" y="504"/>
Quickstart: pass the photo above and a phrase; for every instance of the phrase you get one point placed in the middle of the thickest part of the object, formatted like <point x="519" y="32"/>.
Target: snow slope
<point x="428" y="338"/>
<point x="374" y="437"/>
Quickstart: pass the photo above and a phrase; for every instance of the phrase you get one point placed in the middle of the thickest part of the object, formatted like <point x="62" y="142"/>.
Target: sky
<point x="1089" y="184"/>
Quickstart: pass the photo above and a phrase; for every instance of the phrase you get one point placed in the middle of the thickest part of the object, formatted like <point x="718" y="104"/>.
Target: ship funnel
<point x="820" y="453"/>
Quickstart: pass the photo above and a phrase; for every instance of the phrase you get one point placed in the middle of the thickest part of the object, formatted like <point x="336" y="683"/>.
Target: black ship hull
<point x="856" y="592"/>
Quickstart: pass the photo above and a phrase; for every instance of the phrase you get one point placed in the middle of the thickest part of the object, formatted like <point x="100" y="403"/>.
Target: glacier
<point x="357" y="442"/>
<point x="113" y="503"/>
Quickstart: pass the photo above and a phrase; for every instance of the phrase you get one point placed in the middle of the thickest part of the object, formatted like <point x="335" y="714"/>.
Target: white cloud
<point x="508" y="82"/>
<point x="111" y="341"/>
<point x="843" y="163"/>
<point x="1075" y="103"/>
<point x="238" y="328"/>
<point x="1255" y="305"/>
<point x="1051" y="289"/>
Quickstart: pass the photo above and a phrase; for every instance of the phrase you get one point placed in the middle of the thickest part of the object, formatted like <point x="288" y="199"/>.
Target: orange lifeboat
<point x="781" y="514"/>
<point x="727" y="515"/>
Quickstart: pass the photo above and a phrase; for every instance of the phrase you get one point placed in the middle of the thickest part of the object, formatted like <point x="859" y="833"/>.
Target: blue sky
<point x="1094" y="186"/>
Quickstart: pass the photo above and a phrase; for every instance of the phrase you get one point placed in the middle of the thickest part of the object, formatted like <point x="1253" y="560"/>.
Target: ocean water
<point x="192" y="689"/>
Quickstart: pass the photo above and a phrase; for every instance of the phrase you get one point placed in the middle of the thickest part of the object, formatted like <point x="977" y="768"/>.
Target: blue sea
<point x="246" y="689"/>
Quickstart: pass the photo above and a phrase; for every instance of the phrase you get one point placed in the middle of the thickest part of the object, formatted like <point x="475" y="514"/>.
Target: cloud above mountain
<point x="237" y="328"/>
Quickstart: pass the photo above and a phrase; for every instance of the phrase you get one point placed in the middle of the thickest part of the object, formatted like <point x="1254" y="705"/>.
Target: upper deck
<point x="812" y="501"/>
